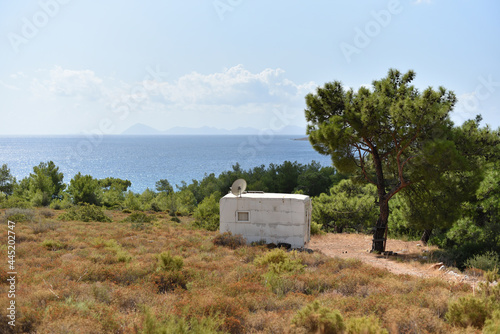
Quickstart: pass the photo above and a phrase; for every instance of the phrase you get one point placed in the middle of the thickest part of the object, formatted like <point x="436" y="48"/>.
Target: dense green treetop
<point x="392" y="135"/>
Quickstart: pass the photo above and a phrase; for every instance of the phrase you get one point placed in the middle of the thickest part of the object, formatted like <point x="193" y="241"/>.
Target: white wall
<point x="272" y="217"/>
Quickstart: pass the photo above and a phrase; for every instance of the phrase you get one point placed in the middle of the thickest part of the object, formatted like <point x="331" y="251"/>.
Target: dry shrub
<point x="27" y="321"/>
<point x="412" y="319"/>
<point x="129" y="299"/>
<point x="293" y="301"/>
<point x="210" y="302"/>
<point x="101" y="293"/>
<point x="40" y="298"/>
<point x="170" y="281"/>
<point x="233" y="326"/>
<point x="350" y="280"/>
<point x="46" y="213"/>
<point x="71" y="325"/>
<point x="317" y="282"/>
<point x="244" y="287"/>
<point x="313" y="260"/>
<point x="229" y="240"/>
<point x="315" y="318"/>
<point x="18" y="215"/>
<point x="436" y="300"/>
<point x="267" y="322"/>
<point x="42" y="227"/>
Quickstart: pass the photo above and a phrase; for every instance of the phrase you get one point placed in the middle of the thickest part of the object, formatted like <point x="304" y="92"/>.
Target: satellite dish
<point x="238" y="187"/>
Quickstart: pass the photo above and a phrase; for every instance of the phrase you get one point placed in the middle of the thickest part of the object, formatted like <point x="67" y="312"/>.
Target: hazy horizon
<point x="75" y="67"/>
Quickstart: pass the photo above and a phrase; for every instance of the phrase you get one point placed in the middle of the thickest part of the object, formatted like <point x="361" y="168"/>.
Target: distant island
<point x="140" y="129"/>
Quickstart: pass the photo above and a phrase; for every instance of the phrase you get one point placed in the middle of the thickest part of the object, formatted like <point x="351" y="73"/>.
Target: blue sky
<point x="75" y="67"/>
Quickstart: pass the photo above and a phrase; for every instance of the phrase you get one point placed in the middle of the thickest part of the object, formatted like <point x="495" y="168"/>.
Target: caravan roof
<point x="268" y="195"/>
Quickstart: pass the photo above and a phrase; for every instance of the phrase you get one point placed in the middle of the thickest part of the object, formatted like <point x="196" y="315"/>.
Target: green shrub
<point x="467" y="311"/>
<point x="167" y="262"/>
<point x="86" y="213"/>
<point x="365" y="325"/>
<point x="276" y="255"/>
<point x="85" y="189"/>
<point x="487" y="261"/>
<point x="229" y="240"/>
<point x="139" y="217"/>
<point x="492" y="325"/>
<point x="316" y="228"/>
<point x="114" y="247"/>
<point x="61" y="204"/>
<point x="132" y="201"/>
<point x="206" y="215"/>
<point x="175" y="219"/>
<point x="279" y="261"/>
<point x="282" y="284"/>
<point x="123" y="256"/>
<point x="15" y="202"/>
<point x="40" y="198"/>
<point x="315" y="318"/>
<point x="53" y="245"/>
<point x="139" y="220"/>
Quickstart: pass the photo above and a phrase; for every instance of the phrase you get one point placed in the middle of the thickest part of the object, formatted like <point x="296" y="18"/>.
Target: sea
<point x="146" y="159"/>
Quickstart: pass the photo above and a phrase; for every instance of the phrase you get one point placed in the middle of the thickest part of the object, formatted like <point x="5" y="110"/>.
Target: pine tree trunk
<point x="426" y="236"/>
<point x="380" y="233"/>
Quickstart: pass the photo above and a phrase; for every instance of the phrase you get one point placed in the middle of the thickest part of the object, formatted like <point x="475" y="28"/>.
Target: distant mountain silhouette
<point x="140" y="129"/>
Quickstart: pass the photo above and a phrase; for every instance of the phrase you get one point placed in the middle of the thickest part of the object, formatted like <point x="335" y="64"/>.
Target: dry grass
<point x="78" y="277"/>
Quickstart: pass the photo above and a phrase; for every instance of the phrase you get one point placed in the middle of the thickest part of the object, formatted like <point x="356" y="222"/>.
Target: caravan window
<point x="243" y="216"/>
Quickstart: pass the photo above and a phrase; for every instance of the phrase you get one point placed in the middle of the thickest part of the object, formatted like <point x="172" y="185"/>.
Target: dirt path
<point x="412" y="258"/>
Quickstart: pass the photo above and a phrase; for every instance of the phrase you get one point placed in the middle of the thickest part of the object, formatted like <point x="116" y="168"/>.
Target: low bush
<point x="229" y="240"/>
<point x="61" y="204"/>
<point x="139" y="220"/>
<point x="19" y="215"/>
<point x="15" y="202"/>
<point x="315" y="318"/>
<point x="365" y="325"/>
<point x="205" y="325"/>
<point x="492" y="325"/>
<point x="42" y="227"/>
<point x="86" y="213"/>
<point x="166" y="282"/>
<point x="53" y="245"/>
<point x="279" y="261"/>
<point x="316" y="228"/>
<point x="167" y="262"/>
<point x="467" y="311"/>
<point x="46" y="213"/>
<point x="139" y="217"/>
<point x="487" y="261"/>
<point x="113" y="246"/>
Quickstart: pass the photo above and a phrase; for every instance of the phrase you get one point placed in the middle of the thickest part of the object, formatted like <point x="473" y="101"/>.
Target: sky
<point x="83" y="67"/>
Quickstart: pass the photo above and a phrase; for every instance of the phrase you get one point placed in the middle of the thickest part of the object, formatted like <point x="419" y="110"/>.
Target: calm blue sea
<point x="146" y="159"/>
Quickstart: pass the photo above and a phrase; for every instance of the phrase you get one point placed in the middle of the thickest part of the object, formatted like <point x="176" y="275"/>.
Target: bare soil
<point x="412" y="258"/>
